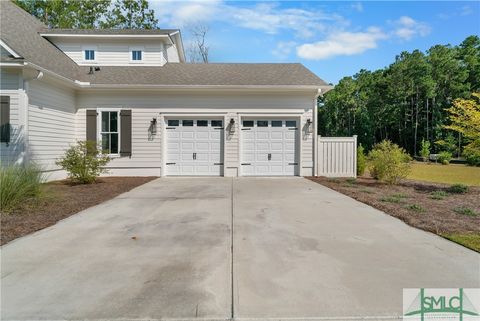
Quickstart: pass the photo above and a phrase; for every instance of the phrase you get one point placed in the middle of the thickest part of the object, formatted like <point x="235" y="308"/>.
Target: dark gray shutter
<point x="5" y="119"/>
<point x="91" y="125"/>
<point x="126" y="132"/>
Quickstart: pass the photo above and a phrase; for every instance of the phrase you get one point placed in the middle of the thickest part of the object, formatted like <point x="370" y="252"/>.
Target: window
<point x="136" y="55"/>
<point x="248" y="123"/>
<point x="89" y="54"/>
<point x="291" y="123"/>
<point x="262" y="123"/>
<point x="109" y="131"/>
<point x="173" y="122"/>
<point x="187" y="123"/>
<point x="217" y="123"/>
<point x="276" y="123"/>
<point x="202" y="123"/>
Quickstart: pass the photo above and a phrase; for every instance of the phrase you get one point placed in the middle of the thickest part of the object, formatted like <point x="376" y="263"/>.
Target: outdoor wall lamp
<point x="153" y="126"/>
<point x="231" y="126"/>
<point x="309" y="126"/>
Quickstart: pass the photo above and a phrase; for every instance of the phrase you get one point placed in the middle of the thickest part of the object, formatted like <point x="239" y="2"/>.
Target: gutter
<point x="315" y="132"/>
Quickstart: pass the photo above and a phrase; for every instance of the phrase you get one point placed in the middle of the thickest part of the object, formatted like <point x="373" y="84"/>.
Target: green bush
<point x="388" y="162"/>
<point x="465" y="211"/>
<point x="472" y="154"/>
<point x="18" y="183"/>
<point x="416" y="208"/>
<point x="361" y="160"/>
<point x="444" y="158"/>
<point x="458" y="189"/>
<point x="438" y="195"/>
<point x="84" y="162"/>
<point x="425" y="150"/>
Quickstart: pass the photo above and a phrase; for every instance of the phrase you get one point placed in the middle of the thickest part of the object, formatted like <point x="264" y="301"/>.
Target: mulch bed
<point x="61" y="199"/>
<point x="436" y="216"/>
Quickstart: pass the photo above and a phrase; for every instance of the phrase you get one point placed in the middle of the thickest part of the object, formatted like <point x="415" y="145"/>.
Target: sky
<point x="333" y="39"/>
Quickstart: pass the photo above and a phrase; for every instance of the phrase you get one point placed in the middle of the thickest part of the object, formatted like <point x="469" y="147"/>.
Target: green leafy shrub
<point x="361" y="160"/>
<point x="458" y="189"/>
<point x="416" y="208"/>
<point x="84" y="162"/>
<point x="388" y="162"/>
<point x="438" y="195"/>
<point x="472" y="154"/>
<point x="465" y="211"/>
<point x="444" y="157"/>
<point x="425" y="150"/>
<point x="18" y="183"/>
<point x="394" y="198"/>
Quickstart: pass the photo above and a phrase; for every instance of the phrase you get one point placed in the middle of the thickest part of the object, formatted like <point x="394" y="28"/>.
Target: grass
<point x="394" y="198"/>
<point x="17" y="184"/>
<point x="438" y="195"/>
<point x="416" y="208"/>
<point x="465" y="211"/>
<point x="447" y="174"/>
<point x="470" y="240"/>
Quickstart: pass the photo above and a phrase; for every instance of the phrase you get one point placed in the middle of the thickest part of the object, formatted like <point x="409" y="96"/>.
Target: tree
<point x="130" y="14"/>
<point x="198" y="50"/>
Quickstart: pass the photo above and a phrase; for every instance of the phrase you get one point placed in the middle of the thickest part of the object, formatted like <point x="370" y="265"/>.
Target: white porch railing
<point x="337" y="156"/>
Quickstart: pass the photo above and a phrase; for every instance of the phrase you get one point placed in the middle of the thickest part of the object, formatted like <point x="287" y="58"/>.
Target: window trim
<point x="95" y="53"/>
<point x="130" y="52"/>
<point x="99" y="127"/>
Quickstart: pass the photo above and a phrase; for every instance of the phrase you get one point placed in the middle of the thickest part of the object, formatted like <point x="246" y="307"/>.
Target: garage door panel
<point x="276" y="146"/>
<point x="188" y="135"/>
<point x="290" y="134"/>
<point x="276" y="135"/>
<point x="202" y="135"/>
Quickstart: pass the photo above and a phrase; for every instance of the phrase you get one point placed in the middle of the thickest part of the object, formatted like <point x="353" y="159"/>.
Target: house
<point x="133" y="92"/>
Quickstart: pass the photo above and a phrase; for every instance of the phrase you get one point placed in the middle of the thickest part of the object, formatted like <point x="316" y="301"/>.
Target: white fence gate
<point x="337" y="156"/>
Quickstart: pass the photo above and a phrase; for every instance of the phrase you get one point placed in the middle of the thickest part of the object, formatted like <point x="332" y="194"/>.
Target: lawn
<point x="428" y="206"/>
<point x="447" y="174"/>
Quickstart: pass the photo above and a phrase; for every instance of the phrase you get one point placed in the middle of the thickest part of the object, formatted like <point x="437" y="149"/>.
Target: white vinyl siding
<point x="51" y="122"/>
<point x="11" y="83"/>
<point x="114" y="53"/>
<point x="147" y="151"/>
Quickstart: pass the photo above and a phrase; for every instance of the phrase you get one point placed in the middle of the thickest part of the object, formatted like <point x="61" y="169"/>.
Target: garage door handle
<point x="269" y="156"/>
<point x="246" y="164"/>
<point x="171" y="163"/>
<point x="194" y="155"/>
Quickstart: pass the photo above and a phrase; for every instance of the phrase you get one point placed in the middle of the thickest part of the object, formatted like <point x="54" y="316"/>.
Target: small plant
<point x="361" y="160"/>
<point x="18" y="183"/>
<point x="416" y="208"/>
<point x="366" y="190"/>
<point x="425" y="150"/>
<point x="438" y="195"/>
<point x="84" y="162"/>
<point x="472" y="153"/>
<point x="400" y="195"/>
<point x="444" y="157"/>
<point x="351" y="180"/>
<point x="465" y="211"/>
<point x="389" y="162"/>
<point x="394" y="198"/>
<point x="458" y="189"/>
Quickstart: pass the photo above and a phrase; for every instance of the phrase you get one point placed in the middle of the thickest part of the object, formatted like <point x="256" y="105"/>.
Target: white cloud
<point x="266" y="17"/>
<point x="407" y="28"/>
<point x="342" y="43"/>
<point x="466" y="10"/>
<point x="357" y="6"/>
<point x="283" y="49"/>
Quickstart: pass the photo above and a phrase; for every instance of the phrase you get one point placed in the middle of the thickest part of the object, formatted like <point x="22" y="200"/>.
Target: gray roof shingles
<point x="21" y="32"/>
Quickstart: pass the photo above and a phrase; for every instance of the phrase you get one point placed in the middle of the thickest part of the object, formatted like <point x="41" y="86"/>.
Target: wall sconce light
<point x="153" y="126"/>
<point x="309" y="126"/>
<point x="231" y="126"/>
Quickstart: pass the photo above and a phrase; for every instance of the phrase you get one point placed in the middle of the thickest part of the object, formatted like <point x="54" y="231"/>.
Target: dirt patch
<point x="59" y="200"/>
<point x="427" y="206"/>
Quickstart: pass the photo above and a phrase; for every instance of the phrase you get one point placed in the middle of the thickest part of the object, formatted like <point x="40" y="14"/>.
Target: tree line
<point x="92" y="14"/>
<point x="405" y="102"/>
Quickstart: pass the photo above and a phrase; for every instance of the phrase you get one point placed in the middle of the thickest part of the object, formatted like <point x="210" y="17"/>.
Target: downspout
<point x="26" y="88"/>
<point x="315" y="132"/>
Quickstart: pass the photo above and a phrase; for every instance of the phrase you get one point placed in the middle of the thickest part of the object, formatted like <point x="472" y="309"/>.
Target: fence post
<point x="354" y="155"/>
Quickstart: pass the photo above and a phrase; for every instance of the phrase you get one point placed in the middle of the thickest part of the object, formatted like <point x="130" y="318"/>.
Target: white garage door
<point x="269" y="147"/>
<point x="194" y="147"/>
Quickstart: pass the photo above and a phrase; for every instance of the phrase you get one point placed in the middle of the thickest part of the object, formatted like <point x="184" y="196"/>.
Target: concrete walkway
<point x="165" y="250"/>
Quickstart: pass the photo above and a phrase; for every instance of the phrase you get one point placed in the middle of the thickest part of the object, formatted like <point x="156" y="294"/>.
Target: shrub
<point x="361" y="160"/>
<point x="425" y="150"/>
<point x="18" y="183"/>
<point x="84" y="162"/>
<point x="472" y="154"/>
<point x="416" y="208"/>
<point x="438" y="195"/>
<point x="444" y="157"/>
<point x="458" y="189"/>
<point x="388" y="162"/>
<point x="394" y="198"/>
<point x="465" y="211"/>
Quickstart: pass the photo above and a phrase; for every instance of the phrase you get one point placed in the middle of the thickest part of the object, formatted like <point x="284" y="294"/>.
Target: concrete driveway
<point x="214" y="248"/>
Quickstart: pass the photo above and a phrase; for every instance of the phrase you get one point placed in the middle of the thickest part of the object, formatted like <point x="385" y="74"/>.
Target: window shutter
<point x="126" y="132"/>
<point x="91" y="125"/>
<point x="5" y="119"/>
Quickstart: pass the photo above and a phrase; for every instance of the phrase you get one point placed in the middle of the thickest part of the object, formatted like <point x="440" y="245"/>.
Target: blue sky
<point x="333" y="39"/>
